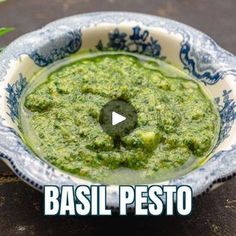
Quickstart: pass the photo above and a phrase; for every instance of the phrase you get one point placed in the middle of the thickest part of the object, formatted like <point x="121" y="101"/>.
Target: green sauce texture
<point x="177" y="122"/>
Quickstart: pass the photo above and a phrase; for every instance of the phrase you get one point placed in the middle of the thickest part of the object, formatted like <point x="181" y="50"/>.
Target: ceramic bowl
<point x="181" y="45"/>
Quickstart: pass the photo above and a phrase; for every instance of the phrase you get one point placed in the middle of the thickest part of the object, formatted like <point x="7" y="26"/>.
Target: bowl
<point x="179" y="44"/>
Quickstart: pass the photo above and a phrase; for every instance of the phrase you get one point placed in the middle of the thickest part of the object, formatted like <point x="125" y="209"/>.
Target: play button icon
<point x="118" y="118"/>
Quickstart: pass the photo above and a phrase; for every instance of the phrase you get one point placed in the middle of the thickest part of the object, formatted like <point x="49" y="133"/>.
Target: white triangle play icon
<point x="117" y="118"/>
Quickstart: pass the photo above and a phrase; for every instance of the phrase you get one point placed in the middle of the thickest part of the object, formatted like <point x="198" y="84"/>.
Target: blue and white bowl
<point x="157" y="37"/>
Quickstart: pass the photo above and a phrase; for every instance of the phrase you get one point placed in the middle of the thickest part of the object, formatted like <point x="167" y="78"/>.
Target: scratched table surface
<point x="21" y="207"/>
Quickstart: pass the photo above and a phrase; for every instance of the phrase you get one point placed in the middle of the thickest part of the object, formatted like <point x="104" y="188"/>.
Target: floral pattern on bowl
<point x="156" y="37"/>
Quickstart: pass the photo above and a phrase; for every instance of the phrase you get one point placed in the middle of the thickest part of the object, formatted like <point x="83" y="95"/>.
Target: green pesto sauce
<point x="177" y="122"/>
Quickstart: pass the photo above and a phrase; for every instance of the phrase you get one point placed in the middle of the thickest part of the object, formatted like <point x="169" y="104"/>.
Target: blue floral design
<point x="206" y="77"/>
<point x="69" y="44"/>
<point x="227" y="110"/>
<point x="14" y="92"/>
<point x="137" y="42"/>
<point x="117" y="40"/>
<point x="200" y="63"/>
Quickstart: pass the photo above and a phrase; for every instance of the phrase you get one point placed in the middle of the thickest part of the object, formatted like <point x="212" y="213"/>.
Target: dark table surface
<point x="21" y="207"/>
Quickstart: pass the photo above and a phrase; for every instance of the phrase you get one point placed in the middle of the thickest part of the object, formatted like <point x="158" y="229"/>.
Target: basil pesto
<point x="177" y="123"/>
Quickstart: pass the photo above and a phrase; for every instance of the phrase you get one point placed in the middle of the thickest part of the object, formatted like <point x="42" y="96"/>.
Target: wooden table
<point x="21" y="207"/>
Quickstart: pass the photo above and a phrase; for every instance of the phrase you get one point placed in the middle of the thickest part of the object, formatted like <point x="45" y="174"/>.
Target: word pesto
<point x="176" y="129"/>
<point x="85" y="200"/>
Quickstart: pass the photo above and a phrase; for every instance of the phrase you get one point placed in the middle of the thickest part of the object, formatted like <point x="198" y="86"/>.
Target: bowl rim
<point x="208" y="178"/>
